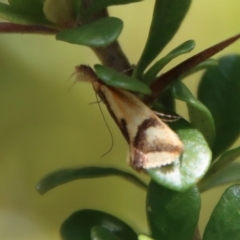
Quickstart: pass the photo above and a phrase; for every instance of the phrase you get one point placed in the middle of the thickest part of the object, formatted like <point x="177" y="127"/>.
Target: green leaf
<point x="224" y="221"/>
<point x="229" y="174"/>
<point x="96" y="5"/>
<point x="28" y="7"/>
<point x="172" y="215"/>
<point x="10" y="14"/>
<point x="79" y="225"/>
<point x="101" y="233"/>
<point x="60" y="12"/>
<point x="191" y="166"/>
<point x="159" y="65"/>
<point x="167" y="18"/>
<point x="226" y="158"/>
<point x="219" y="91"/>
<point x="63" y="176"/>
<point x="96" y="34"/>
<point x="200" y="116"/>
<point x="120" y="80"/>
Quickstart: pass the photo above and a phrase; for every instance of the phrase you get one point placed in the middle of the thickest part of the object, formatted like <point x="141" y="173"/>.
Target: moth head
<point x="85" y="73"/>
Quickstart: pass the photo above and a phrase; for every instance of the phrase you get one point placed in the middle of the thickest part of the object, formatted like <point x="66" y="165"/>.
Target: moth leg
<point x="167" y="117"/>
<point x="98" y="101"/>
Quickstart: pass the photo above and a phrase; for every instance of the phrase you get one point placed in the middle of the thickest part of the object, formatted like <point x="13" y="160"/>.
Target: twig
<point x="6" y="27"/>
<point x="111" y="56"/>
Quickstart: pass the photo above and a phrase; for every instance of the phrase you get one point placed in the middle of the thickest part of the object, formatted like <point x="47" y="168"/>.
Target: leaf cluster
<point x="173" y="194"/>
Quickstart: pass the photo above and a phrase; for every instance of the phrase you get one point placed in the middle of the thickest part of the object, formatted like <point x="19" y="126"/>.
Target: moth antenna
<point x="72" y="85"/>
<point x="98" y="101"/>
<point x="109" y="130"/>
<point x="74" y="73"/>
<point x="167" y="117"/>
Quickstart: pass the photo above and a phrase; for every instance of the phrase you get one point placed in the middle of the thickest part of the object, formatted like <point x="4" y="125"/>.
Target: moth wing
<point x="152" y="143"/>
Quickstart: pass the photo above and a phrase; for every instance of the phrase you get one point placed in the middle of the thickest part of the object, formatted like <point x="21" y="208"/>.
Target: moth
<point x="151" y="142"/>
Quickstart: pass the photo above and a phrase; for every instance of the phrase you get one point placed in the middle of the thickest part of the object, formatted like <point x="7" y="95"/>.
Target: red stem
<point x="172" y="75"/>
<point x="6" y="27"/>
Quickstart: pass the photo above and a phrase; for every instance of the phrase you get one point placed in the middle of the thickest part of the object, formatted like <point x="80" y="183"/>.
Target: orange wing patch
<point x="152" y="143"/>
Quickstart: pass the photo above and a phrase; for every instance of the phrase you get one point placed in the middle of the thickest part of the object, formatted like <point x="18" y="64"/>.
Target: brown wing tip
<point x="143" y="161"/>
<point x="85" y="73"/>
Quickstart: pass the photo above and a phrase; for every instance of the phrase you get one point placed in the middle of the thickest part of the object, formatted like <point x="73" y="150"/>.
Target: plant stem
<point x="111" y="56"/>
<point x="7" y="27"/>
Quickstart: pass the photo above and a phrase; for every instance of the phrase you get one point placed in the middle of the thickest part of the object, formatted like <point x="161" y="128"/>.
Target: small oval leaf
<point x="219" y="91"/>
<point x="63" y="176"/>
<point x="96" y="34"/>
<point x="120" y="80"/>
<point x="226" y="158"/>
<point x="172" y="215"/>
<point x="59" y="12"/>
<point x="200" y="116"/>
<point x="167" y="18"/>
<point x="159" y="65"/>
<point x="229" y="174"/>
<point x="28" y="7"/>
<point x="79" y="225"/>
<point x="224" y="221"/>
<point x="191" y="166"/>
<point x="14" y="16"/>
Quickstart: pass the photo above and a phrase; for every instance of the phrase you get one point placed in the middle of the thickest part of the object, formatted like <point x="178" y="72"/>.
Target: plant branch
<point x="6" y="27"/>
<point x="111" y="56"/>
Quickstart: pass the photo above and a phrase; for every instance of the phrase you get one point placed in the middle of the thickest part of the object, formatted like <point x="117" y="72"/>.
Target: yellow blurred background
<point x="44" y="126"/>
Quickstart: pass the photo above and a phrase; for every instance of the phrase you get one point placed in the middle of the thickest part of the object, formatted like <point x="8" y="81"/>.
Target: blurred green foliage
<point x="43" y="127"/>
